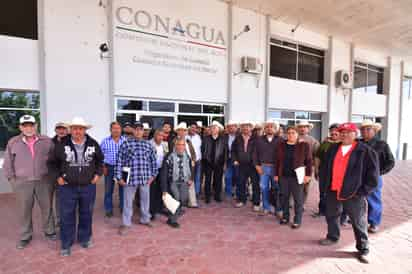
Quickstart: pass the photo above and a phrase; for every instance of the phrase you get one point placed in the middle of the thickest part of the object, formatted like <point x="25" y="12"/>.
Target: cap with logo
<point x="348" y="127"/>
<point x="27" y="119"/>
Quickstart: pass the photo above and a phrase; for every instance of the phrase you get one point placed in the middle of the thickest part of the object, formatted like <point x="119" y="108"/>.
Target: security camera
<point x="104" y="48"/>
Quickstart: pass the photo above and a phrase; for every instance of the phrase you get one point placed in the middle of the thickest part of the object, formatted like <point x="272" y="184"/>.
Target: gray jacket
<point x="19" y="164"/>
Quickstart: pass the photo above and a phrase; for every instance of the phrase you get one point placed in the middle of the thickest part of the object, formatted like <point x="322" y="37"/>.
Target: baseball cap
<point x="138" y="124"/>
<point x="27" y="119"/>
<point x="348" y="127"/>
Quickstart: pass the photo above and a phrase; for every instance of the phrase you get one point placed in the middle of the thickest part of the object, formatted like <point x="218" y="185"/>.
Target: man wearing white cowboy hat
<point x="196" y="141"/>
<point x="181" y="132"/>
<point x="214" y="154"/>
<point x="242" y="154"/>
<point x="232" y="172"/>
<point x="25" y="167"/>
<point x="264" y="161"/>
<point x="369" y="131"/>
<point x="304" y="128"/>
<point x="80" y="163"/>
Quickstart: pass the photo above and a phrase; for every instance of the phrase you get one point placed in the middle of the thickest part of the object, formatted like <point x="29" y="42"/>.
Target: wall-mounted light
<point x="246" y="28"/>
<point x="104" y="48"/>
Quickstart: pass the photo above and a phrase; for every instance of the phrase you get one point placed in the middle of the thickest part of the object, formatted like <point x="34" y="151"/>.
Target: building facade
<point x="182" y="61"/>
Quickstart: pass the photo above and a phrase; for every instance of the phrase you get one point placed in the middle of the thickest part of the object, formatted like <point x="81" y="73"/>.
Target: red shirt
<point x="340" y="164"/>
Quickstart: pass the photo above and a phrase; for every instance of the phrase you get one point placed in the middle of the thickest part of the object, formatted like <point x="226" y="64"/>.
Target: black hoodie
<point x="70" y="170"/>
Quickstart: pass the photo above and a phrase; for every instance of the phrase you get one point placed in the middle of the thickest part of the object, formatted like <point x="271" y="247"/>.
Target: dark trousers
<point x="71" y="199"/>
<point x="214" y="172"/>
<point x="109" y="186"/>
<point x="322" y="198"/>
<point x="155" y="197"/>
<point x="248" y="171"/>
<point x="355" y="208"/>
<point x="290" y="186"/>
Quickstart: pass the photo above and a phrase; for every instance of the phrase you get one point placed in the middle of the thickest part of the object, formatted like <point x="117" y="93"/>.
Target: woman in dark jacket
<point x="290" y="156"/>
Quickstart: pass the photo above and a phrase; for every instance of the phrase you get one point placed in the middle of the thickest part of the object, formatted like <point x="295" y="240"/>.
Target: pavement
<point x="219" y="238"/>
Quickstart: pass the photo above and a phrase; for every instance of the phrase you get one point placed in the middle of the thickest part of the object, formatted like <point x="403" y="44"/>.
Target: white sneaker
<point x="240" y="204"/>
<point x="256" y="208"/>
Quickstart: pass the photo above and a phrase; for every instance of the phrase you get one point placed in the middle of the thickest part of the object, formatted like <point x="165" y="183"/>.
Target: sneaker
<point x="327" y="241"/>
<point x="279" y="215"/>
<point x="51" y="237"/>
<point x="23" y="243"/>
<point x="173" y="224"/>
<point x="317" y="215"/>
<point x="87" y="244"/>
<point x="65" y="252"/>
<point x="284" y="221"/>
<point x="123" y="230"/>
<point x="264" y="212"/>
<point x="239" y="204"/>
<point x="373" y="229"/>
<point x="109" y="214"/>
<point x="295" y="226"/>
<point x="256" y="208"/>
<point x="364" y="257"/>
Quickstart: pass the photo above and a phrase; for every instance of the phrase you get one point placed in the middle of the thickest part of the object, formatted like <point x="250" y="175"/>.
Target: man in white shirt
<point x="197" y="144"/>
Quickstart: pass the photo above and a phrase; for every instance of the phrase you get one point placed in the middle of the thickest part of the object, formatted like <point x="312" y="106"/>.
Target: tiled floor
<point x="220" y="239"/>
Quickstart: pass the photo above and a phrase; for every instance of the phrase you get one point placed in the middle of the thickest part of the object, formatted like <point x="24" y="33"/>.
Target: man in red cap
<point x="350" y="172"/>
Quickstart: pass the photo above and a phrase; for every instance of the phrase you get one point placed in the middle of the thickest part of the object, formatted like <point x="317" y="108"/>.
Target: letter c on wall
<point x="119" y="17"/>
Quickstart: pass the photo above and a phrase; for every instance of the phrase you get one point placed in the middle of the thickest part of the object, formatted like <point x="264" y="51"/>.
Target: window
<point x="19" y="18"/>
<point x="407" y="88"/>
<point x="296" y="62"/>
<point x="291" y="118"/>
<point x="368" y="78"/>
<point x="13" y="105"/>
<point x="157" y="112"/>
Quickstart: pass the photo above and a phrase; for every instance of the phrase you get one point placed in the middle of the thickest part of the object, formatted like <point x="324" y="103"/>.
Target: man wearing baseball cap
<point x="350" y="172"/>
<point x="25" y="166"/>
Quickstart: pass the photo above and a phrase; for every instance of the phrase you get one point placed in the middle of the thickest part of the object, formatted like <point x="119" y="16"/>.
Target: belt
<point x="265" y="164"/>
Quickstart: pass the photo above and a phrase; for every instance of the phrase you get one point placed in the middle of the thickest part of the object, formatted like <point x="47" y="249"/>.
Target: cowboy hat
<point x="217" y="124"/>
<point x="79" y="121"/>
<point x="146" y="126"/>
<point x="61" y="124"/>
<point x="181" y="125"/>
<point x="27" y="119"/>
<point x="370" y="123"/>
<point x="232" y="123"/>
<point x="247" y="123"/>
<point x="304" y="123"/>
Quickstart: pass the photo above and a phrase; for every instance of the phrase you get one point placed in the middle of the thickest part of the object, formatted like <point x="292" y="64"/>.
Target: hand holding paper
<point x="300" y="174"/>
<point x="170" y="203"/>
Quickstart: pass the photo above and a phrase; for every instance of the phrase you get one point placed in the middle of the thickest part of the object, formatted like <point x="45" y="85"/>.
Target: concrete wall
<point x="248" y="90"/>
<point x="76" y="79"/>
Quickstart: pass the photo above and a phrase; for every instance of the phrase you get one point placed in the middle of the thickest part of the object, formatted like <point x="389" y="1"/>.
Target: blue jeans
<point x="231" y="178"/>
<point x="73" y="198"/>
<point x="109" y="189"/>
<point x="198" y="176"/>
<point x="375" y="205"/>
<point x="266" y="182"/>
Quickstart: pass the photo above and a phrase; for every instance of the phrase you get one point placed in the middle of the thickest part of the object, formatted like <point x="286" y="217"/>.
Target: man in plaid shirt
<point x="138" y="155"/>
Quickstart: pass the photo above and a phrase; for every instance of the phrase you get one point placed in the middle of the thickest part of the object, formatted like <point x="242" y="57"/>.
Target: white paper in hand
<point x="300" y="174"/>
<point x="170" y="203"/>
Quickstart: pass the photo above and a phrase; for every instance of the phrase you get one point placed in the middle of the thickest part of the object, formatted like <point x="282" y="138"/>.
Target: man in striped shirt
<point x="139" y="156"/>
<point x="110" y="147"/>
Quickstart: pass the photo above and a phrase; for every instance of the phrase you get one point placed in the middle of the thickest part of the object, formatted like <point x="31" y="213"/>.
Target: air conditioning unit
<point x="343" y="79"/>
<point x="251" y="65"/>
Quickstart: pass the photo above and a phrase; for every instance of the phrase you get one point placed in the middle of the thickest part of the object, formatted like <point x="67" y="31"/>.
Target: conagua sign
<point x="169" y="26"/>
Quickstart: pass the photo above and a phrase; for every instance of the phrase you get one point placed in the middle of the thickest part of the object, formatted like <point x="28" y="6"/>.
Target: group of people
<point x="269" y="164"/>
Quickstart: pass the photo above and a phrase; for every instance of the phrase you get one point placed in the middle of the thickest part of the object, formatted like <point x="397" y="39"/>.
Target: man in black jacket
<point x="242" y="155"/>
<point x="350" y="172"/>
<point x="80" y="163"/>
<point x="214" y="151"/>
<point x="386" y="163"/>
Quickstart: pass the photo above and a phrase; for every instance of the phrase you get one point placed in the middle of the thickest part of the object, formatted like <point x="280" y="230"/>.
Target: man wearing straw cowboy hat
<point x="369" y="130"/>
<point x="304" y="128"/>
<point x="80" y="163"/>
<point x="214" y="152"/>
<point x="232" y="172"/>
<point x="264" y="160"/>
<point x="242" y="154"/>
